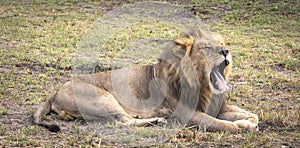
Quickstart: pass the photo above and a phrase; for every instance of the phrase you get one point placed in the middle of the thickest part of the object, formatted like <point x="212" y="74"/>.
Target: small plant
<point x="3" y="111"/>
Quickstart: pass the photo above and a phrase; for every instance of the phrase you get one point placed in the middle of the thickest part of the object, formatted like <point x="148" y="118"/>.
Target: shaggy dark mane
<point x="185" y="76"/>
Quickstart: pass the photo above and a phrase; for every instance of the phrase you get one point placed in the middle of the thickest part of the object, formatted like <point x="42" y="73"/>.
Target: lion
<point x="188" y="81"/>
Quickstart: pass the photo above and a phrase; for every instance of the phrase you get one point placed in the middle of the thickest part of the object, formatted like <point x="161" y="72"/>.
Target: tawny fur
<point x="181" y="76"/>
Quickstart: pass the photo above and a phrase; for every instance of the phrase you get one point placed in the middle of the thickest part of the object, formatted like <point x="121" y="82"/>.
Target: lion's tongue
<point x="221" y="83"/>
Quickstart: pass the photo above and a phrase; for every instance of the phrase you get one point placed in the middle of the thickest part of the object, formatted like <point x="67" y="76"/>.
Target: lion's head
<point x="219" y="60"/>
<point x="208" y="54"/>
<point x="196" y="65"/>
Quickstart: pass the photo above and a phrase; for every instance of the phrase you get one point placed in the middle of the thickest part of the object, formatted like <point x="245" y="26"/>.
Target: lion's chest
<point x="215" y="105"/>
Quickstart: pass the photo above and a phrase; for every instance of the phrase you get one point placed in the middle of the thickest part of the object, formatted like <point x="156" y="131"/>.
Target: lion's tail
<point x="42" y="110"/>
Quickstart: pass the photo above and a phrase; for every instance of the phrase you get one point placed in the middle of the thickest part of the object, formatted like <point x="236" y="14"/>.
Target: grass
<point x="38" y="40"/>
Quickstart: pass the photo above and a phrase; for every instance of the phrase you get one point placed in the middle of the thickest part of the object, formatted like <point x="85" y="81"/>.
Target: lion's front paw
<point x="246" y="125"/>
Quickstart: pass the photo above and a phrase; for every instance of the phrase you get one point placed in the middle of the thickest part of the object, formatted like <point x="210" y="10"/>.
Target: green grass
<point x="38" y="40"/>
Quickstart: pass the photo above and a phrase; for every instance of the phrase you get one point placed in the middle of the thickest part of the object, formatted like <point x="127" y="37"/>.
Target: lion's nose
<point x="224" y="52"/>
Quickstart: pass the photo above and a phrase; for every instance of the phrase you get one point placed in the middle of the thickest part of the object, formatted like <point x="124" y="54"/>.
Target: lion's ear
<point x="186" y="42"/>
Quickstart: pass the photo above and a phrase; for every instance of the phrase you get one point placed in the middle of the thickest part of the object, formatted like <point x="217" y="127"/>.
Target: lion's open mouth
<point x="217" y="78"/>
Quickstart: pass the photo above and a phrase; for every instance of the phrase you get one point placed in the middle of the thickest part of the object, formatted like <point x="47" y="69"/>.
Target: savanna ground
<point x="38" y="40"/>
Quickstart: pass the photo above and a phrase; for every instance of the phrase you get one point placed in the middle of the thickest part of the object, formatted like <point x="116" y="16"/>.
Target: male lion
<point x="187" y="82"/>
